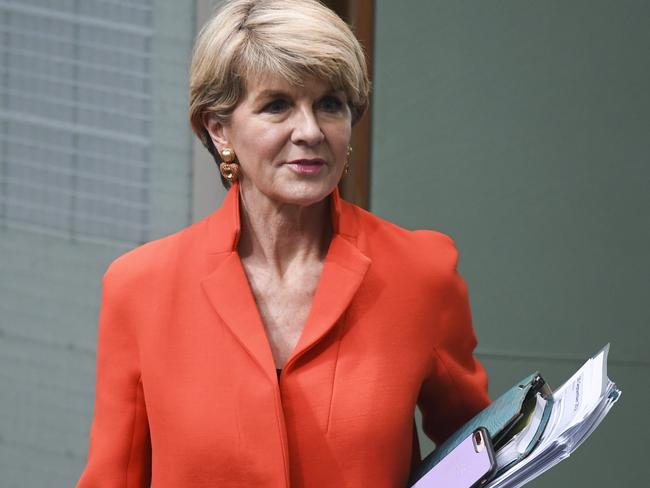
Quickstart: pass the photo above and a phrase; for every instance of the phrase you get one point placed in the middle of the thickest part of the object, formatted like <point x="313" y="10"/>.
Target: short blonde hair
<point x="294" y="39"/>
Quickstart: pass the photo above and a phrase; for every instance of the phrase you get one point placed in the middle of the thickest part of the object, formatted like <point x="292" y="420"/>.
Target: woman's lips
<point x="306" y="166"/>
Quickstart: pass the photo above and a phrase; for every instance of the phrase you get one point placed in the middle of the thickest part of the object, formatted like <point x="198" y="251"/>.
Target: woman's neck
<point x="279" y="236"/>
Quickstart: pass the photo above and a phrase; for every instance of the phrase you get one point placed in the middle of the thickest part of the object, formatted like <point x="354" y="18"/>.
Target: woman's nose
<point x="306" y="128"/>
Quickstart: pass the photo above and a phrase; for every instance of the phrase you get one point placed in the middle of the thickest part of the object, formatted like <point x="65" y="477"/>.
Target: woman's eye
<point x="276" y="106"/>
<point x="331" y="104"/>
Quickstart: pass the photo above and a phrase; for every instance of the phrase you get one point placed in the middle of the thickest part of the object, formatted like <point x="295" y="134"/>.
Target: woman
<point x="364" y="319"/>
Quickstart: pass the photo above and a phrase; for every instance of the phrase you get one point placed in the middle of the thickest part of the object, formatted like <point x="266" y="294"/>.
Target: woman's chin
<point x="303" y="193"/>
<point x="289" y="188"/>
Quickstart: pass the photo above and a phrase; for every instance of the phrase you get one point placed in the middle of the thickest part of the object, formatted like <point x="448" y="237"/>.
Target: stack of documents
<point x="533" y="428"/>
<point x="578" y="407"/>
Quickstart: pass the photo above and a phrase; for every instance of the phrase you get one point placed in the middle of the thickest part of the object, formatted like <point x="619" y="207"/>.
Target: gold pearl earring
<point x="346" y="169"/>
<point x="228" y="168"/>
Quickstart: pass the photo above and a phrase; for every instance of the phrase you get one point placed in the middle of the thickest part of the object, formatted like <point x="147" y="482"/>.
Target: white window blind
<point x="75" y="115"/>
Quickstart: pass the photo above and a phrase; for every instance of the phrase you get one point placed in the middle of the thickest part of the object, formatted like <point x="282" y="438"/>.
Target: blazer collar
<point x="224" y="224"/>
<point x="230" y="294"/>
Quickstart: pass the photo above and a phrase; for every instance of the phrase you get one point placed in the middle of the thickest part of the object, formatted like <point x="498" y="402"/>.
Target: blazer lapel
<point x="343" y="272"/>
<point x="230" y="294"/>
<point x="227" y="286"/>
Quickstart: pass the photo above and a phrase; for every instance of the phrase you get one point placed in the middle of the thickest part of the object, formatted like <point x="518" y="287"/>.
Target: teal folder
<point x="503" y="419"/>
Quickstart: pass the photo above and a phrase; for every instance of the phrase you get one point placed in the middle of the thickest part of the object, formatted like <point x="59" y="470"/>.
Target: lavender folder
<point x="465" y="466"/>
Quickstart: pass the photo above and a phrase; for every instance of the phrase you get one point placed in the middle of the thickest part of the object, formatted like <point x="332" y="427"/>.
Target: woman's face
<point x="291" y="141"/>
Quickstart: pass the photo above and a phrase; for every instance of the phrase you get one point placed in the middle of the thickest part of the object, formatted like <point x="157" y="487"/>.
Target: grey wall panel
<point x="95" y="157"/>
<point x="49" y="297"/>
<point x="520" y="129"/>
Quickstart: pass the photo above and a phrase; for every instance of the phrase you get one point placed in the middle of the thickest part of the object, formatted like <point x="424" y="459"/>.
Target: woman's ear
<point x="216" y="131"/>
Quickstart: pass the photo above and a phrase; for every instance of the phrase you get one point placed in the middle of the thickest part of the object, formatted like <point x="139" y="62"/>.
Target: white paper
<point x="579" y="406"/>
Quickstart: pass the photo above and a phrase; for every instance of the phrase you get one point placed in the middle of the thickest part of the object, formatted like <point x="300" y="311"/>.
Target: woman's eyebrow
<point x="278" y="93"/>
<point x="265" y="94"/>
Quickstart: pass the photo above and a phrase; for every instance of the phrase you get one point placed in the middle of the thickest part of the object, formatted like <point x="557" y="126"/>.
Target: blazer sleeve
<point x="119" y="455"/>
<point x="456" y="387"/>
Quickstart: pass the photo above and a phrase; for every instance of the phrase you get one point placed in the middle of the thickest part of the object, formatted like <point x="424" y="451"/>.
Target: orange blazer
<point x="187" y="394"/>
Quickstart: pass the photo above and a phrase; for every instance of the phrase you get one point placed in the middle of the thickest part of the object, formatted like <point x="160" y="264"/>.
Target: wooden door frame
<point x="355" y="187"/>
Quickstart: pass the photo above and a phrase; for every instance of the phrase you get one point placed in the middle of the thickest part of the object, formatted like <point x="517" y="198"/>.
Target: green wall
<point x="521" y="129"/>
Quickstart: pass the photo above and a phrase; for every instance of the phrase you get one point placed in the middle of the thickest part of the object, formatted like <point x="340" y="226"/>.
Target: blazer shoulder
<point x="155" y="258"/>
<point x="419" y="246"/>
